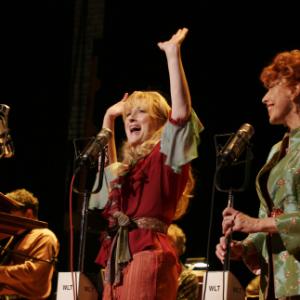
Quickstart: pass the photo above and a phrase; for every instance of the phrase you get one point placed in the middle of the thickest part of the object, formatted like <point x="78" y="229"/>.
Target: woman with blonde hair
<point x="150" y="187"/>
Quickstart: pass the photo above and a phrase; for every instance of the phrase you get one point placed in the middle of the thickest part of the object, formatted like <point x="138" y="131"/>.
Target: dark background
<point x="227" y="46"/>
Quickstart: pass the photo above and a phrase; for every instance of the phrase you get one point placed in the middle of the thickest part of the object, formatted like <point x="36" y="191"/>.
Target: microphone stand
<point x="230" y="198"/>
<point x="83" y="231"/>
<point x="226" y="266"/>
<point x="84" y="210"/>
<point x="230" y="201"/>
<point x="217" y="186"/>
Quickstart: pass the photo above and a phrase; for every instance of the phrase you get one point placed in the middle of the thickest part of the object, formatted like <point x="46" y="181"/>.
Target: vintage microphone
<point x="228" y="155"/>
<point x="226" y="158"/>
<point x="89" y="157"/>
<point x="235" y="145"/>
<point x="91" y="152"/>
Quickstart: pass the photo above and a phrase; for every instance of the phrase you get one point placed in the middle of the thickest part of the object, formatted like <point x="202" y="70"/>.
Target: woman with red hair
<point x="272" y="248"/>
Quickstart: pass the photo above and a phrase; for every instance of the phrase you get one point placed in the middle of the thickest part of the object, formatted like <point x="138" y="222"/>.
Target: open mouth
<point x="135" y="129"/>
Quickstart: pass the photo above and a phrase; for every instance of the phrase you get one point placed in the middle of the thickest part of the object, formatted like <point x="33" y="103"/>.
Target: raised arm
<point x="111" y="114"/>
<point x="180" y="94"/>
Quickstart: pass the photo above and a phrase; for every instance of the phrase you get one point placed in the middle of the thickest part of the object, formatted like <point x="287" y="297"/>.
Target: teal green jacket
<point x="278" y="188"/>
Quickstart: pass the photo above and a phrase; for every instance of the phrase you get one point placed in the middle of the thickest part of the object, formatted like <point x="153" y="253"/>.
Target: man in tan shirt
<point x="28" y="264"/>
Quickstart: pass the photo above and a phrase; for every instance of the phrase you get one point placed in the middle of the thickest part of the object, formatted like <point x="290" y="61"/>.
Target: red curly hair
<point x="285" y="65"/>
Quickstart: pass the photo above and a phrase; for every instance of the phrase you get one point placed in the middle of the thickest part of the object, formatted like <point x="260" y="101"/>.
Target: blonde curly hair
<point x="159" y="110"/>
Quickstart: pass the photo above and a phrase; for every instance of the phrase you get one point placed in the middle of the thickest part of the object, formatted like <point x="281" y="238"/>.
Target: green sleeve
<point x="99" y="199"/>
<point x="179" y="143"/>
<point x="288" y="226"/>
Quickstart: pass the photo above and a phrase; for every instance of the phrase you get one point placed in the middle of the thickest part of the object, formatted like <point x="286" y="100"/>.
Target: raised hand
<point x="180" y="93"/>
<point x="175" y="40"/>
<point x="117" y="109"/>
<point x="111" y="114"/>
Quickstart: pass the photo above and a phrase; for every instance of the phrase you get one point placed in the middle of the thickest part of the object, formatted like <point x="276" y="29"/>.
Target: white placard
<point x="65" y="290"/>
<point x="221" y="285"/>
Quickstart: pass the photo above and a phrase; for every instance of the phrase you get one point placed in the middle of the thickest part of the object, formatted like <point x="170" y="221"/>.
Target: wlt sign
<point x="221" y="285"/>
<point x="75" y="284"/>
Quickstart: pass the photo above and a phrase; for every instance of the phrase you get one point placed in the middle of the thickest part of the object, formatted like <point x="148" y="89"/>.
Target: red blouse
<point x="150" y="189"/>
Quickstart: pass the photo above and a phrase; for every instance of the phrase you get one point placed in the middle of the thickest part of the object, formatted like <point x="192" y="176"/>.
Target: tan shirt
<point x="30" y="278"/>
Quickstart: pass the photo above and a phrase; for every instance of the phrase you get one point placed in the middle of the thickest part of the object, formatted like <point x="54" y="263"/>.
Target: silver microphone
<point x="92" y="150"/>
<point x="6" y="145"/>
<point x="235" y="145"/>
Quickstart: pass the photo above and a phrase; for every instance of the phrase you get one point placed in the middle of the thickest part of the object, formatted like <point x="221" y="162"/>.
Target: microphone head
<point x="91" y="152"/>
<point x="236" y="144"/>
<point x="247" y="129"/>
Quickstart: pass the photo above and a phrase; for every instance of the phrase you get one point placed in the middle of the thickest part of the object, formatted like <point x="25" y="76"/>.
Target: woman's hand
<point x="180" y="93"/>
<point x="113" y="112"/>
<point x="118" y="108"/>
<point x="234" y="220"/>
<point x="236" y="249"/>
<point x="175" y="41"/>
